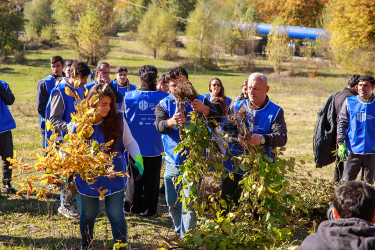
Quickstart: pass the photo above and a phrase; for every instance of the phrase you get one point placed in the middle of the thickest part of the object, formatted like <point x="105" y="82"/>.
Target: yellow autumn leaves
<point x="74" y="155"/>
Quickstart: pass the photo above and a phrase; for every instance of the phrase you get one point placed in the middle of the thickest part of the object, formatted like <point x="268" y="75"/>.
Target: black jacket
<point x="324" y="140"/>
<point x="341" y="234"/>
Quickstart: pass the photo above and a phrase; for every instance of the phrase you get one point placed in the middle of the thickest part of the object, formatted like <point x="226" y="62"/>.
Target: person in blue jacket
<point x="142" y="193"/>
<point x="217" y="97"/>
<point x="356" y="132"/>
<point x="167" y="121"/>
<point x="44" y="90"/>
<point x="267" y="124"/>
<point x="109" y="124"/>
<point x="121" y="82"/>
<point x="103" y="71"/>
<point x="7" y="123"/>
<point x="58" y="112"/>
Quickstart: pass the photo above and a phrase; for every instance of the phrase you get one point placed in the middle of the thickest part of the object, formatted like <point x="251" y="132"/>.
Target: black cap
<point x="369" y="78"/>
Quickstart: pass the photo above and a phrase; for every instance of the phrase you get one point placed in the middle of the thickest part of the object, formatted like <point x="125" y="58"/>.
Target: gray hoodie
<point x="341" y="234"/>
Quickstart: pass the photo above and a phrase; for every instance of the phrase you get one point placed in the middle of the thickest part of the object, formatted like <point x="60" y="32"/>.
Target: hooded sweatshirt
<point x="341" y="234"/>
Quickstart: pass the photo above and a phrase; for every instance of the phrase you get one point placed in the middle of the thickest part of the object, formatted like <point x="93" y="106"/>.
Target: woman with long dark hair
<point x="109" y="125"/>
<point x="217" y="95"/>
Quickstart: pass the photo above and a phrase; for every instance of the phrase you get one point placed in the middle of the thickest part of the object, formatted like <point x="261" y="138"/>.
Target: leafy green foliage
<point x="157" y="29"/>
<point x="85" y="27"/>
<point x="38" y="14"/>
<point x="11" y="21"/>
<point x="277" y="45"/>
<point x="202" y="34"/>
<point x="268" y="203"/>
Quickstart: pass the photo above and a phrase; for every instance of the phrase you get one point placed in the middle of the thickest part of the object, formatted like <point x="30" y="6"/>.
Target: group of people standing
<point x="144" y="124"/>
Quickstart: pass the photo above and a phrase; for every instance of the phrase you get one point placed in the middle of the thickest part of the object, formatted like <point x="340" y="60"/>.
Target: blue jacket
<point x="171" y="139"/>
<point x="113" y="185"/>
<point x="228" y="101"/>
<point x="123" y="91"/>
<point x="360" y="137"/>
<point x="263" y="120"/>
<point x="139" y="110"/>
<point x="69" y="104"/>
<point x="6" y="120"/>
<point x="49" y="81"/>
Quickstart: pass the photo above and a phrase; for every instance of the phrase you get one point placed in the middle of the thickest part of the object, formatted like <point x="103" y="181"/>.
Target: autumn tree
<point x="277" y="49"/>
<point x="130" y="13"/>
<point x="85" y="26"/>
<point x="157" y="29"/>
<point x="11" y="21"/>
<point x="353" y="33"/>
<point x="180" y="9"/>
<point x="294" y="12"/>
<point x="38" y="16"/>
<point x="202" y="34"/>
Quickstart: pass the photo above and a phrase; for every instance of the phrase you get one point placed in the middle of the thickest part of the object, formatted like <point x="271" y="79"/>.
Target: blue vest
<point x="171" y="139"/>
<point x="123" y="91"/>
<point x="263" y="120"/>
<point x="139" y="110"/>
<point x="89" y="85"/>
<point x="69" y="104"/>
<point x="6" y="120"/>
<point x="228" y="102"/>
<point x="360" y="137"/>
<point x="119" y="161"/>
<point x="50" y="84"/>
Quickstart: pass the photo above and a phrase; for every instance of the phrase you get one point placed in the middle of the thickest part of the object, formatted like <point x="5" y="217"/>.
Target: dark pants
<point x="355" y="163"/>
<point x="43" y="133"/>
<point x="6" y="150"/>
<point x="339" y="170"/>
<point x="231" y="191"/>
<point x="142" y="196"/>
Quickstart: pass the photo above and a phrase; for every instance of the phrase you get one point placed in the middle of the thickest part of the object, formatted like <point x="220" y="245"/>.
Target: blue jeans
<point x="89" y="206"/>
<point x="183" y="219"/>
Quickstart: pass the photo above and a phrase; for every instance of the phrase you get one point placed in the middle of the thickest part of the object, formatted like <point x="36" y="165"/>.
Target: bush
<point x="19" y="57"/>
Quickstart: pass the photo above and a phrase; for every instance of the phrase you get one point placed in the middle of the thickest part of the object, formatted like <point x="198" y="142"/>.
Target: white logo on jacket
<point x="361" y="116"/>
<point x="143" y="105"/>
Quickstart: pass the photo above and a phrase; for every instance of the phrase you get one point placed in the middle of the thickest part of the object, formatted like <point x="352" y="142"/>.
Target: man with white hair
<point x="266" y="124"/>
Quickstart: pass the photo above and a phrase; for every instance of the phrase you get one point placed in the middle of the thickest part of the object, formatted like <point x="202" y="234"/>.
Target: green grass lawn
<point x="28" y="223"/>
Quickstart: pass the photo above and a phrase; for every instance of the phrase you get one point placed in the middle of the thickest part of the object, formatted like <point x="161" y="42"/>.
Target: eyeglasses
<point x="173" y="85"/>
<point x="216" y="85"/>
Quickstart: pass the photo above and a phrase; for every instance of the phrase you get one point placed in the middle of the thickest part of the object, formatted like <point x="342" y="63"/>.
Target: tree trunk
<point x="154" y="53"/>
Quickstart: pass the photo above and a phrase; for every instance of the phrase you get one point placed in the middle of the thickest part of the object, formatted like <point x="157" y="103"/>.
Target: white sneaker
<point x="68" y="212"/>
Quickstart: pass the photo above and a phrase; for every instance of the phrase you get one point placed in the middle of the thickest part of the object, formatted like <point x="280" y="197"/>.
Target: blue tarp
<point x="293" y="31"/>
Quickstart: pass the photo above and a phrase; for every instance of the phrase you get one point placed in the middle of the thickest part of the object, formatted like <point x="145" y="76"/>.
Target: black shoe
<point x="7" y="188"/>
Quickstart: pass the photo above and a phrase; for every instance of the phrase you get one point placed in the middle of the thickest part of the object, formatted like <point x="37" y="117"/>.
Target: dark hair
<point x="69" y="63"/>
<point x="353" y="80"/>
<point x="111" y="125"/>
<point x="81" y="68"/>
<point x="121" y="69"/>
<point x="367" y="78"/>
<point x="355" y="199"/>
<point x="148" y="74"/>
<point x="56" y="59"/>
<point x="221" y="95"/>
<point x="175" y="73"/>
<point x="162" y="79"/>
<point x="100" y="64"/>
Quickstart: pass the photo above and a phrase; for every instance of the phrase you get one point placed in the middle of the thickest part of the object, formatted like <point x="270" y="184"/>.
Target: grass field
<point x="29" y="223"/>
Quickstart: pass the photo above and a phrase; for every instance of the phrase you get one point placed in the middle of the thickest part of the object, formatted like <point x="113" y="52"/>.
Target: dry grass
<point x="28" y="223"/>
